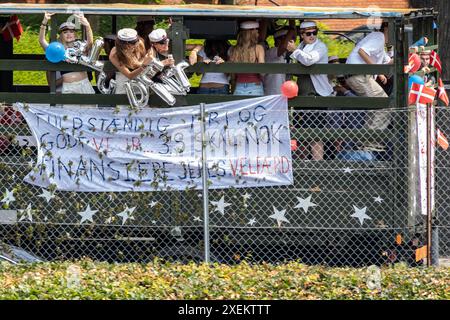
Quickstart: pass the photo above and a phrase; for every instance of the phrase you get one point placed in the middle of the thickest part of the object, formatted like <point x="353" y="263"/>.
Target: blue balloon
<point x="415" y="79"/>
<point x="55" y="52"/>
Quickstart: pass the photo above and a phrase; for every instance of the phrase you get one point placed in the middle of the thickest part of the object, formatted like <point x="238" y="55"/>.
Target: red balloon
<point x="414" y="62"/>
<point x="289" y="89"/>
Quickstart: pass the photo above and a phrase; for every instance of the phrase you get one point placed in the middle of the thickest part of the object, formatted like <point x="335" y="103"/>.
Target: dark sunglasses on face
<point x="310" y="33"/>
<point x="163" y="41"/>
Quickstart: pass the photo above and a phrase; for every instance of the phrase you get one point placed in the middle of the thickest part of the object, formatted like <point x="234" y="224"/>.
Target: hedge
<point x="163" y="280"/>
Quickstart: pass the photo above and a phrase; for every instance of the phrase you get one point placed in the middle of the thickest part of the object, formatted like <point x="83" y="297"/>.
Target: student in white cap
<point x="278" y="54"/>
<point x="71" y="82"/>
<point x="129" y="57"/>
<point x="247" y="50"/>
<point x="160" y="47"/>
<point x="311" y="51"/>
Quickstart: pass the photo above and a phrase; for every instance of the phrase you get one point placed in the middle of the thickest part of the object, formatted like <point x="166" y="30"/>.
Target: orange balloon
<point x="289" y="89"/>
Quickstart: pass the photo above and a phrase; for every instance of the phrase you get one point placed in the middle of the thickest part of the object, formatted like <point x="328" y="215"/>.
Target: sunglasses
<point x="165" y="41"/>
<point x="310" y="33"/>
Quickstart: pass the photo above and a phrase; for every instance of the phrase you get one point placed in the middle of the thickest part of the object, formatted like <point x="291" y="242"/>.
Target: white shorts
<point x="79" y="87"/>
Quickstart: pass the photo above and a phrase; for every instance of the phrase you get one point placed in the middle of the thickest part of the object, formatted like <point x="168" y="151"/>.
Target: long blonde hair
<point x="245" y="48"/>
<point x="130" y="54"/>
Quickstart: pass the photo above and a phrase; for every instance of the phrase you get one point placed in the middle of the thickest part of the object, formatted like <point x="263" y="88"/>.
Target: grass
<point x="158" y="280"/>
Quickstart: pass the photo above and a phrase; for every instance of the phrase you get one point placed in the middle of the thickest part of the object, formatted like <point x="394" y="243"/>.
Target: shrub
<point x="162" y="280"/>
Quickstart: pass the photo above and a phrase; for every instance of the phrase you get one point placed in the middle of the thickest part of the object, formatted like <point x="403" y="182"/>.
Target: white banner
<point x="421" y="122"/>
<point x="99" y="150"/>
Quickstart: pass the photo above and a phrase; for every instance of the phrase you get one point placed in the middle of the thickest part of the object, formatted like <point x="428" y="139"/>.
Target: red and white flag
<point x="435" y="61"/>
<point x="441" y="140"/>
<point x="442" y="94"/>
<point x="12" y="29"/>
<point x="420" y="93"/>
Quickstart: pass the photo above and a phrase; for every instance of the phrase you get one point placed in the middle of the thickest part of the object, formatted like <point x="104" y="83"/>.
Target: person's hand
<point x="218" y="60"/>
<point x="340" y="89"/>
<point x="147" y="59"/>
<point x="426" y="70"/>
<point x="382" y="78"/>
<point x="47" y="16"/>
<point x="207" y="61"/>
<point x="291" y="46"/>
<point x="169" y="62"/>
<point x="82" y="19"/>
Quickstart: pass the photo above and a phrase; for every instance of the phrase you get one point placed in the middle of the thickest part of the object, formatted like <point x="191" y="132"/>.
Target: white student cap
<point x="247" y="25"/>
<point x="127" y="34"/>
<point x="157" y="35"/>
<point x="67" y="26"/>
<point x="308" y="24"/>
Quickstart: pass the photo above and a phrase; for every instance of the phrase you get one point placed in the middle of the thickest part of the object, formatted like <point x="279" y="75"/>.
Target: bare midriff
<point x="74" y="76"/>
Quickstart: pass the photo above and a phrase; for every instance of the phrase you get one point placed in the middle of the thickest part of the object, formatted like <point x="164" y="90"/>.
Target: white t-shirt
<point x="273" y="81"/>
<point x="212" y="77"/>
<point x="373" y="45"/>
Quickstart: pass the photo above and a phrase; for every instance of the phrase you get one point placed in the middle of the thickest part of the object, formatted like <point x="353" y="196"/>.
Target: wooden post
<point x="6" y="52"/>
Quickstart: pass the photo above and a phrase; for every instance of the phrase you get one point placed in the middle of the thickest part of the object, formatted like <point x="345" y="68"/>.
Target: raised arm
<point x="43" y="30"/>
<point x="84" y="22"/>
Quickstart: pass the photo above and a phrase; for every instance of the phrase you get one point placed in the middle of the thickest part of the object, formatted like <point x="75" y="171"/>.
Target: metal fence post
<point x="205" y="185"/>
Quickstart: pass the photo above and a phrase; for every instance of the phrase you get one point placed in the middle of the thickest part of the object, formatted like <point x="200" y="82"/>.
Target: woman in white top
<point x="72" y="82"/>
<point x="213" y="51"/>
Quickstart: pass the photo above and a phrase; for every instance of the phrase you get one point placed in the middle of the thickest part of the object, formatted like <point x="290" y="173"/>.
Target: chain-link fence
<point x="442" y="196"/>
<point x="350" y="204"/>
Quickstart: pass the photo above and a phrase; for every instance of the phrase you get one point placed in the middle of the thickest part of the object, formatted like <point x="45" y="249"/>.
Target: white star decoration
<point x="9" y="197"/>
<point x="279" y="216"/>
<point x="109" y="220"/>
<point x="304" y="203"/>
<point x="251" y="222"/>
<point x="26" y="213"/>
<point x="360" y="214"/>
<point x="378" y="199"/>
<point x="220" y="205"/>
<point x="246" y="196"/>
<point x="47" y="195"/>
<point x="348" y="170"/>
<point x="126" y="214"/>
<point x="87" y="214"/>
<point x="198" y="219"/>
<point x="153" y="203"/>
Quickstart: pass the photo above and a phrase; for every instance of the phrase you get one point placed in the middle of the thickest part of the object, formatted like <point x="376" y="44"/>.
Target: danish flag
<point x="442" y="140"/>
<point x="12" y="29"/>
<point x="435" y="61"/>
<point x="442" y="94"/>
<point x="421" y="94"/>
